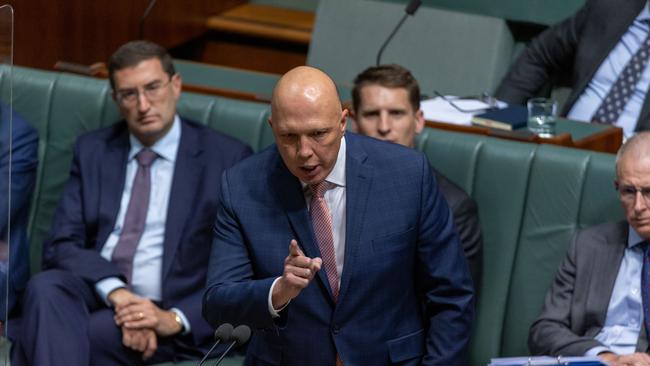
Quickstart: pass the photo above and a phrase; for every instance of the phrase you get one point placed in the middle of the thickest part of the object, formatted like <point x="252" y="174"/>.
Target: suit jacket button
<point x="335" y="329"/>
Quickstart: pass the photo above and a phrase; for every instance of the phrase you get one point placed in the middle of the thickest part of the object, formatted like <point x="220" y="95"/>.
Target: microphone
<point x="411" y="8"/>
<point x="240" y="335"/>
<point x="222" y="333"/>
<point x="144" y="16"/>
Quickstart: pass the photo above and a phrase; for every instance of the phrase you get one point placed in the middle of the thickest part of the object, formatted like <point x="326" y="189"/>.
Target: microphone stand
<point x="381" y="50"/>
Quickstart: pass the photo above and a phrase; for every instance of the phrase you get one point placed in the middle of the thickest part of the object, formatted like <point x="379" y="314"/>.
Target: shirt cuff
<point x="275" y="313"/>
<point x="593" y="352"/>
<point x="186" y="323"/>
<point x="106" y="286"/>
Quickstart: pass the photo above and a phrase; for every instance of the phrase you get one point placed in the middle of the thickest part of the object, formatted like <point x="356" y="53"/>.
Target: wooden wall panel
<point x="83" y="31"/>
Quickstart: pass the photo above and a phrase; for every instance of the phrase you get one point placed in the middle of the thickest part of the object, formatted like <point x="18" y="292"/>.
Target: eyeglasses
<point x="152" y="91"/>
<point x="628" y="193"/>
<point x="484" y="97"/>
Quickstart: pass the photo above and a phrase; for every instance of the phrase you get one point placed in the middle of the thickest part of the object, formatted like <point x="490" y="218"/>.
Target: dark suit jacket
<point x="576" y="305"/>
<point x="91" y="200"/>
<point x="467" y="223"/>
<point x="24" y="161"/>
<point x="405" y="294"/>
<point x="569" y="53"/>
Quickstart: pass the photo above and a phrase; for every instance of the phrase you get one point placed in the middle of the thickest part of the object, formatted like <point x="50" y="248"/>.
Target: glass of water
<point x="541" y="116"/>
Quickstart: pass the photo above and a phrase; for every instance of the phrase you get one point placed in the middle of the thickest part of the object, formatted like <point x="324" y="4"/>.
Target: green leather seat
<point x="452" y="52"/>
<point x="259" y="84"/>
<point x="533" y="11"/>
<point x="531" y="198"/>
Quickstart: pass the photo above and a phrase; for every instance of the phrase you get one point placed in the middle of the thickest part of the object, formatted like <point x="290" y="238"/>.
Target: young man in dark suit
<point x="386" y="105"/>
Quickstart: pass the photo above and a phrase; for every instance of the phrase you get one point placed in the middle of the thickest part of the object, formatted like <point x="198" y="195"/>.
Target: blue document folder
<point x="547" y="361"/>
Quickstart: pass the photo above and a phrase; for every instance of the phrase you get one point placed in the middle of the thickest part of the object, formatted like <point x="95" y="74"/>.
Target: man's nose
<point x="143" y="102"/>
<point x="304" y="147"/>
<point x="383" y="126"/>
<point x="639" y="202"/>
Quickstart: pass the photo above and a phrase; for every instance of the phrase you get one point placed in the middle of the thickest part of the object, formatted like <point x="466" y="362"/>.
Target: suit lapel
<point x="643" y="123"/>
<point x="185" y="184"/>
<point x="358" y="181"/>
<point x="604" y="273"/>
<point x="112" y="176"/>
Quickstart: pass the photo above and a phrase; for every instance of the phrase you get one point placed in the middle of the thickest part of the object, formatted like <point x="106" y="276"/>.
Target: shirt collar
<point x="633" y="238"/>
<point x="166" y="147"/>
<point x="337" y="175"/>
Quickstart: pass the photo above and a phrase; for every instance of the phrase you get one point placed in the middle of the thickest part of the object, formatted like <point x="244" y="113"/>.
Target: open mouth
<point x="310" y="170"/>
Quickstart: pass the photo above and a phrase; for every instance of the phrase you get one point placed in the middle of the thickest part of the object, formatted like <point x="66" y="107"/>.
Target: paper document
<point x="546" y="361"/>
<point x="440" y="110"/>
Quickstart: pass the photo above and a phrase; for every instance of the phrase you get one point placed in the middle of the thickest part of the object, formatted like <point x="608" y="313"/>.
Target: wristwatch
<point x="178" y="320"/>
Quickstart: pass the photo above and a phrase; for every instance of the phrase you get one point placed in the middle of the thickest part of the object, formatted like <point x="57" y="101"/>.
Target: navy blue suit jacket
<point x="91" y="200"/>
<point x="405" y="294"/>
<point x="24" y="161"/>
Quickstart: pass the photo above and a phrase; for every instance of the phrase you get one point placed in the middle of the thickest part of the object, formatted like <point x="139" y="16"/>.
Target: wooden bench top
<point x="265" y="21"/>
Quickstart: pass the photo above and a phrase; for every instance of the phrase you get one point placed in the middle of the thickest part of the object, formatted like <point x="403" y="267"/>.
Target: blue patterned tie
<point x="616" y="100"/>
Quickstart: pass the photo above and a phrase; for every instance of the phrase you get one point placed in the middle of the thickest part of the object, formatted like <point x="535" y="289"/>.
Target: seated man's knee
<point x="50" y="284"/>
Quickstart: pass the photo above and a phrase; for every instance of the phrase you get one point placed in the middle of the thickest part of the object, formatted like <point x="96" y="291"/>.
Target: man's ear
<point x="419" y="121"/>
<point x="355" y="123"/>
<point x="177" y="85"/>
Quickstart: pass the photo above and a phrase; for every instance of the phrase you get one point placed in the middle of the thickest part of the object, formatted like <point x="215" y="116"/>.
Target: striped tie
<point x="322" y="224"/>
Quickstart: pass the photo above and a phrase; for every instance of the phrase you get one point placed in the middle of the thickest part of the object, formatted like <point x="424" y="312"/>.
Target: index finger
<point x="294" y="249"/>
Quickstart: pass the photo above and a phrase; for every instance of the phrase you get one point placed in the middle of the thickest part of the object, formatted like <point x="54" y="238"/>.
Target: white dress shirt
<point x="607" y="73"/>
<point x="335" y="199"/>
<point x="147" y="261"/>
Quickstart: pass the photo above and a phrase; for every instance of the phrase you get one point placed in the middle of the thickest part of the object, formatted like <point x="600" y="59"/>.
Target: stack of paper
<point x="440" y="110"/>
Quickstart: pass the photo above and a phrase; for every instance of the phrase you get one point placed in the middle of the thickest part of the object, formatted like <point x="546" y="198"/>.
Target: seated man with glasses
<point x="127" y="256"/>
<point x="599" y="303"/>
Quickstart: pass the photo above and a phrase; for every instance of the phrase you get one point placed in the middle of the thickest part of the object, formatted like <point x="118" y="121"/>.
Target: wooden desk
<point x="579" y="135"/>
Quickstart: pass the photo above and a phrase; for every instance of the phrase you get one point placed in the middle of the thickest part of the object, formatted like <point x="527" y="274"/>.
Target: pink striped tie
<point x="322" y="224"/>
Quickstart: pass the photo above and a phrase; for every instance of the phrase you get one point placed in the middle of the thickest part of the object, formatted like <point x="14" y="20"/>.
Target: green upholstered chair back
<point x="545" y="12"/>
<point x="447" y="51"/>
<point x="256" y="83"/>
<point x="260" y="84"/>
<point x="63" y="106"/>
<point x="531" y="199"/>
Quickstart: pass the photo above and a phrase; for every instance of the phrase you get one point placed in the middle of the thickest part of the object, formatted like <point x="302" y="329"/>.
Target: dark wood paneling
<point x="85" y="32"/>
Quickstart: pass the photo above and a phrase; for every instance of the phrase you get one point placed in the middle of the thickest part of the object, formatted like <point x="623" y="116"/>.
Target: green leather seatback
<point x="246" y="121"/>
<point x="258" y="83"/>
<point x="215" y="76"/>
<point x="61" y="107"/>
<point x="530" y="198"/>
<point x="546" y="12"/>
<point x="448" y="51"/>
<point x="557" y="205"/>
